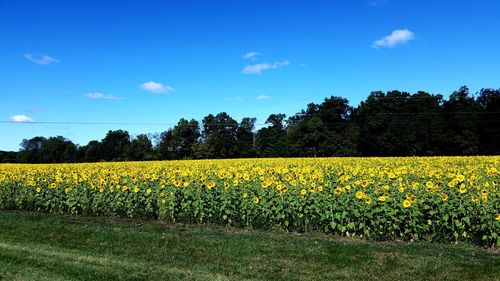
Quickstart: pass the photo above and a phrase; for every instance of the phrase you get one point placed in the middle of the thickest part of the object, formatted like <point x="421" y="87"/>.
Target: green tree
<point x="461" y="120"/>
<point x="140" y="148"/>
<point x="31" y="150"/>
<point x="186" y="134"/>
<point x="489" y="121"/>
<point x="245" y="137"/>
<point x="58" y="150"/>
<point x="114" y="145"/>
<point x="165" y="149"/>
<point x="271" y="141"/>
<point x="219" y="135"/>
<point x="93" y="151"/>
<point x="323" y="130"/>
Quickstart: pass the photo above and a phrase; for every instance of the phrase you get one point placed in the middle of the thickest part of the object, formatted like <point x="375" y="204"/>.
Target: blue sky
<point x="157" y="61"/>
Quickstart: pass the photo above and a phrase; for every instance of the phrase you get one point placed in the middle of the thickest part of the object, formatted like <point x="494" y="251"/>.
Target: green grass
<point x="37" y="246"/>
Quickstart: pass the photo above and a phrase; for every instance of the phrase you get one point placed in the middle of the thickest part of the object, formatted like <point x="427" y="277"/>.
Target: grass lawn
<point x="59" y="247"/>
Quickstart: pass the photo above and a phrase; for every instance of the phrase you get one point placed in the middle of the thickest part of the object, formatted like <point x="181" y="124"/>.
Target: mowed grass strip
<point x="37" y="246"/>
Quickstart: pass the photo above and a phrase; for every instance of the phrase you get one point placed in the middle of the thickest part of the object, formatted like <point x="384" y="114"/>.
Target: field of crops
<point x="430" y="199"/>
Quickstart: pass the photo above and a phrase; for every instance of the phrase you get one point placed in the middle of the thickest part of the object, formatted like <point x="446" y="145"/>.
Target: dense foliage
<point x="385" y="124"/>
<point x="433" y="198"/>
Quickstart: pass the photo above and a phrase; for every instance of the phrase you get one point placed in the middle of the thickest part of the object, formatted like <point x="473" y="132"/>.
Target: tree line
<point x="393" y="123"/>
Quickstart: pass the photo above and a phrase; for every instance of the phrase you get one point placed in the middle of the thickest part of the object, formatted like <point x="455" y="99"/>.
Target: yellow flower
<point x="497" y="217"/>
<point x="368" y="200"/>
<point x="338" y="190"/>
<point x="303" y="192"/>
<point x="136" y="189"/>
<point x="211" y="185"/>
<point x="245" y="195"/>
<point x="163" y="201"/>
<point x="411" y="197"/>
<point x="360" y="194"/>
<point x="256" y="200"/>
<point x="382" y="198"/>
<point x="38" y="189"/>
<point x="406" y="203"/>
<point x="444" y="197"/>
<point x="364" y="183"/>
<point x="148" y="191"/>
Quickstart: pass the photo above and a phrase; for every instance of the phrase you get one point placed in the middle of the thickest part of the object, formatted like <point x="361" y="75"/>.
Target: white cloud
<point x="21" y="119"/>
<point x="41" y="59"/>
<point x="251" y="56"/>
<point x="155" y="87"/>
<point x="397" y="37"/>
<point x="101" y="96"/>
<point x="262" y="97"/>
<point x="260" y="67"/>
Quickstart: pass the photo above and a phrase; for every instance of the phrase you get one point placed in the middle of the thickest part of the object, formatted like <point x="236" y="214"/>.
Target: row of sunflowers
<point x="433" y="198"/>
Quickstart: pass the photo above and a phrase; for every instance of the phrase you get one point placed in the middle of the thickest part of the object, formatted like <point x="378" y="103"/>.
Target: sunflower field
<point x="413" y="199"/>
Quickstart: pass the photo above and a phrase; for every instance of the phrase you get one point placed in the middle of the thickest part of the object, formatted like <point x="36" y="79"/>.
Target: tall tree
<point x="185" y="135"/>
<point x="461" y="117"/>
<point x="114" y="145"/>
<point x="165" y="149"/>
<point x="489" y="121"/>
<point x="93" y="151"/>
<point x="383" y="122"/>
<point x="271" y="141"/>
<point x="58" y="150"/>
<point x="31" y="150"/>
<point x="140" y="148"/>
<point x="245" y="137"/>
<point x="219" y="134"/>
<point x="323" y="130"/>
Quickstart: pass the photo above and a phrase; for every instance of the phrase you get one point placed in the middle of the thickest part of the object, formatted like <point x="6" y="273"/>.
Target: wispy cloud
<point x="251" y="56"/>
<point x="260" y="67"/>
<point x="262" y="97"/>
<point x="155" y="87"/>
<point x="397" y="37"/>
<point x="101" y="96"/>
<point x="41" y="59"/>
<point x="21" y="119"/>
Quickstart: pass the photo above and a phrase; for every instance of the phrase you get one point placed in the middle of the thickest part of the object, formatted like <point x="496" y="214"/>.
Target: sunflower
<point x="406" y="203"/>
<point x="360" y="194"/>
<point x="256" y="200"/>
